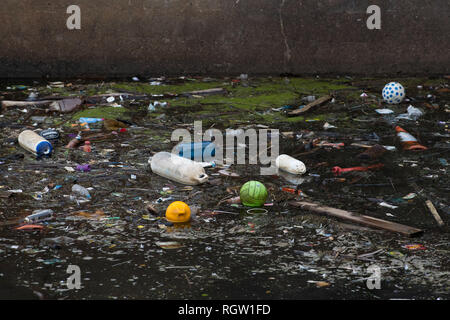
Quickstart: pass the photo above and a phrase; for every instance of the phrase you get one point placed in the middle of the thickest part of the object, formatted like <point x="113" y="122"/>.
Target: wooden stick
<point x="366" y="220"/>
<point x="434" y="213"/>
<point x="206" y="92"/>
<point x="7" y="103"/>
<point x="428" y="203"/>
<point x="318" y="102"/>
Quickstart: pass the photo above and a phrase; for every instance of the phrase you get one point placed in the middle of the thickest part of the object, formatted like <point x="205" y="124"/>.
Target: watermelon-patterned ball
<point x="253" y="194"/>
<point x="393" y="93"/>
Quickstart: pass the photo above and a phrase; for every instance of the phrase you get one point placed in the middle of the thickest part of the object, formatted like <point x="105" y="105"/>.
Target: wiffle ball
<point x="393" y="93"/>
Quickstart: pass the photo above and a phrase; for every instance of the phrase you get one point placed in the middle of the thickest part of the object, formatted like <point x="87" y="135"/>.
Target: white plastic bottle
<point x="31" y="141"/>
<point x="82" y="191"/>
<point x="289" y="164"/>
<point x="39" y="215"/>
<point x="179" y="169"/>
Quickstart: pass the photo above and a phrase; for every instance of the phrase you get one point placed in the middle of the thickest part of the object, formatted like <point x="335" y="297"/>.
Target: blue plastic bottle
<point x="200" y="150"/>
<point x="90" y="120"/>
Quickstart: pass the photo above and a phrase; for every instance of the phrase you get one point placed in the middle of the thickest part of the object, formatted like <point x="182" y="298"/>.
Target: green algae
<point x="102" y="112"/>
<point x="145" y="88"/>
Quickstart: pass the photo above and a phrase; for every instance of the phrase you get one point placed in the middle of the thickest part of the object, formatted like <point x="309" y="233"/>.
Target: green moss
<point x="102" y="112"/>
<point x="270" y="92"/>
<point x="63" y="92"/>
<point x="335" y="117"/>
<point x="295" y="119"/>
<point x="242" y="104"/>
<point x="314" y="86"/>
<point x="412" y="83"/>
<point x="254" y="101"/>
<point x="144" y="88"/>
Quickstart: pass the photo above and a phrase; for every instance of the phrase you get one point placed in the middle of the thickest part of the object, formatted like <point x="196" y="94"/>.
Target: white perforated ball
<point x="393" y="93"/>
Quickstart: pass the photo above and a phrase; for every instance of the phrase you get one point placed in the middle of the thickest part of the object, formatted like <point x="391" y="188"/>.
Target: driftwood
<point x="9" y="103"/>
<point x="428" y="203"/>
<point x="206" y="92"/>
<point x="434" y="212"/>
<point x="124" y="95"/>
<point x="313" y="104"/>
<point x="63" y="105"/>
<point x="354" y="217"/>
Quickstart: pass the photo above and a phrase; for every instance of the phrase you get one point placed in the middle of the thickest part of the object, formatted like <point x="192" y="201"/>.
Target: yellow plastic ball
<point x="178" y="212"/>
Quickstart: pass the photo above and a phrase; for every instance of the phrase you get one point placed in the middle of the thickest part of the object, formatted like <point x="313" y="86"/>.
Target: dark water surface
<point x="286" y="253"/>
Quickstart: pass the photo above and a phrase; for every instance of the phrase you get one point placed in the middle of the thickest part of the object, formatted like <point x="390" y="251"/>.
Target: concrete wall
<point x="155" y="37"/>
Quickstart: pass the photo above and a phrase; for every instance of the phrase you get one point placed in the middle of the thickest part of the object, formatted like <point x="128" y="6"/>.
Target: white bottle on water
<point x="39" y="215"/>
<point x="31" y="141"/>
<point x="289" y="164"/>
<point x="179" y="169"/>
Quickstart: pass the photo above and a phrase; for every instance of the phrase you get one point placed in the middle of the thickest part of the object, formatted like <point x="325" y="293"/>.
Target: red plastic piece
<point x="30" y="227"/>
<point x="338" y="170"/>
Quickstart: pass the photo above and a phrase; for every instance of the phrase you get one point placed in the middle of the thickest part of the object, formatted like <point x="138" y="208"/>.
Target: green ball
<point x="253" y="194"/>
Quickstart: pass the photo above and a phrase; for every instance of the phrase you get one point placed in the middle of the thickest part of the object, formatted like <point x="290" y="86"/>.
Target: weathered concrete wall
<point x="155" y="37"/>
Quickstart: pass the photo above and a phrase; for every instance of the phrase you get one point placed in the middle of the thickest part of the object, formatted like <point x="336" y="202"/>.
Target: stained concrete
<point x="154" y="37"/>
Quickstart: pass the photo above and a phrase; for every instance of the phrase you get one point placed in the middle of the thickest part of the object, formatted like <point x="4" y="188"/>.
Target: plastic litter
<point x="384" y="111"/>
<point x="83" y="167"/>
<point x="290" y="164"/>
<point x="152" y="106"/>
<point x="338" y="170"/>
<point x="31" y="141"/>
<point x="122" y="231"/>
<point x="39" y="216"/>
<point x="179" y="169"/>
<point x="30" y="227"/>
<point x="49" y="134"/>
<point x="394" y="93"/>
<point x="413" y="114"/>
<point x="80" y="190"/>
<point x="414" y="247"/>
<point x="309" y="99"/>
<point x="178" y="212"/>
<point x="65" y="105"/>
<point x="205" y="150"/>
<point x="294" y="179"/>
<point x="328" y="126"/>
<point x="407" y="141"/>
<point x="253" y="194"/>
<point x="257" y="211"/>
<point x="90" y="120"/>
<point x="74" y="142"/>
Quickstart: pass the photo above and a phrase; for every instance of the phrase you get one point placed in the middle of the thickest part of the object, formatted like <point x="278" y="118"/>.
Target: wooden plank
<point x="313" y="104"/>
<point x="8" y="103"/>
<point x="357" y="218"/>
